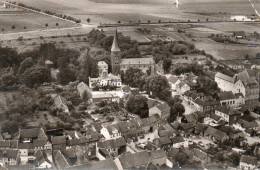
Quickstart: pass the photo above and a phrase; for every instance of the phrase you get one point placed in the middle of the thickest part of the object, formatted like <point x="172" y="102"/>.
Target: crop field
<point x="20" y="20"/>
<point x="112" y="11"/>
<point x="233" y="7"/>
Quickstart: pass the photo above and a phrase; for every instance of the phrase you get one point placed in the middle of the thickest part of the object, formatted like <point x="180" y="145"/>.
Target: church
<point x="121" y="65"/>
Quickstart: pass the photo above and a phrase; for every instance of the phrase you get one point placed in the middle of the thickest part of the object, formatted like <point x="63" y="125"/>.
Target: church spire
<point x="115" y="47"/>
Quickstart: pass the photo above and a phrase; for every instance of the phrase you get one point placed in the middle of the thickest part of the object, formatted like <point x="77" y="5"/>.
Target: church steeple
<point x="115" y="47"/>
<point x="115" y="56"/>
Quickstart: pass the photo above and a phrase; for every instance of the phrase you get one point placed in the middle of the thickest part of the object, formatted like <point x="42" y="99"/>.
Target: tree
<point x="36" y="75"/>
<point x="94" y="70"/>
<point x="24" y="28"/>
<point x="66" y="75"/>
<point x="133" y="76"/>
<point x="167" y="64"/>
<point x="88" y="20"/>
<point x="8" y="57"/>
<point x="155" y="84"/>
<point x="25" y="64"/>
<point x="46" y="25"/>
<point x="137" y="105"/>
<point x="8" y="80"/>
<point x="177" y="110"/>
<point x="57" y="24"/>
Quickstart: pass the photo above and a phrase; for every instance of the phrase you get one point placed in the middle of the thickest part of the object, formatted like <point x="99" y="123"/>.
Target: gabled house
<point x="58" y="142"/>
<point x="187" y="128"/>
<point x="228" y="114"/>
<point x="247" y="162"/>
<point x="199" y="155"/>
<point x="111" y="131"/>
<point x="174" y="81"/>
<point x="60" y="161"/>
<point x="163" y="110"/>
<point x="215" y="135"/>
<point x="249" y="127"/>
<point x="163" y="143"/>
<point x="133" y="161"/>
<point x="200" y="129"/>
<point x="84" y="91"/>
<point x="30" y="140"/>
<point x="227" y="98"/>
<point x="108" y="164"/>
<point x="96" y="127"/>
<point x="110" y="148"/>
<point x="158" y="157"/>
<point x="60" y="103"/>
<point x="70" y="155"/>
<point x="9" y="157"/>
<point x="41" y="160"/>
<point x="179" y="142"/>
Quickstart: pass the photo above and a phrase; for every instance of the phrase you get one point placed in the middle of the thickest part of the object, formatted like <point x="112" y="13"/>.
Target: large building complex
<point x="119" y="65"/>
<point x="240" y="83"/>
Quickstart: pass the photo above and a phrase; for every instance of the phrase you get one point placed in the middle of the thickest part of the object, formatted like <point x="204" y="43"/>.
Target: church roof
<point x="135" y="61"/>
<point x="115" y="47"/>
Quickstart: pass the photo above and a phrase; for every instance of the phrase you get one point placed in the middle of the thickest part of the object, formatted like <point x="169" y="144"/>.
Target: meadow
<point x="20" y="20"/>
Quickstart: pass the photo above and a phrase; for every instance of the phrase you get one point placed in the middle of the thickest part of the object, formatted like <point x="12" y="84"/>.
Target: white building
<point x="105" y="79"/>
<point x="247" y="162"/>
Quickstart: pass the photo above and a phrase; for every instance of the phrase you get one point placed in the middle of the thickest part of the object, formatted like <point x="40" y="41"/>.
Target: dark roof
<point x="200" y="115"/>
<point x="18" y="167"/>
<point x="217" y="134"/>
<point x="162" y="107"/>
<point x="177" y="140"/>
<point x="175" y="124"/>
<point x="113" y="143"/>
<point x="165" y="133"/>
<point x="227" y="95"/>
<point x="172" y="153"/>
<point x="191" y="118"/>
<point x="60" y="160"/>
<point x="135" y="160"/>
<point x="108" y="164"/>
<point x="214" y="116"/>
<point x="154" y="118"/>
<point x="69" y="153"/>
<point x="97" y="126"/>
<point x="29" y="133"/>
<point x="199" y="153"/>
<point x="6" y="153"/>
<point x="156" y="154"/>
<point x="250" y="125"/>
<point x="57" y="140"/>
<point x="248" y="159"/>
<point x="201" y="127"/>
<point x="40" y="157"/>
<point x="187" y="126"/>
<point x="227" y="110"/>
<point x="4" y="143"/>
<point x="162" y="141"/>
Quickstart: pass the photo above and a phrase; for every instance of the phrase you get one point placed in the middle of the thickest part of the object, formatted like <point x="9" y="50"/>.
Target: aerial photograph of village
<point x="129" y="84"/>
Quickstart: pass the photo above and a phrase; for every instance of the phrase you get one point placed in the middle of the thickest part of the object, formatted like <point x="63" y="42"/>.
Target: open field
<point x="24" y="20"/>
<point x="117" y="10"/>
<point x="231" y="7"/>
